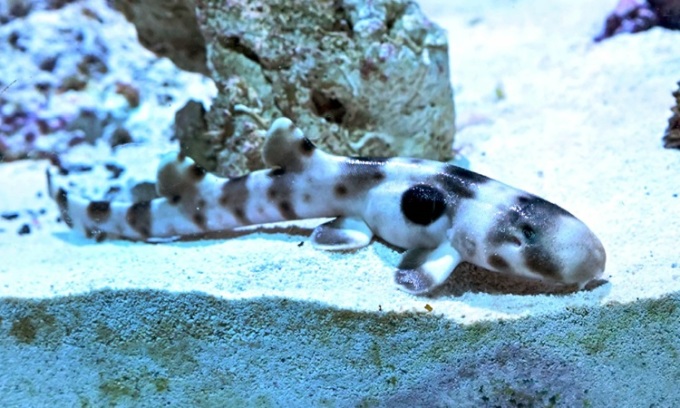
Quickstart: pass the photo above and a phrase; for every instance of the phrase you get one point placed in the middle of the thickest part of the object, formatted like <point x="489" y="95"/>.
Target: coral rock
<point x="169" y="29"/>
<point x="672" y="137"/>
<point x="72" y="72"/>
<point x="632" y="16"/>
<point x="362" y="78"/>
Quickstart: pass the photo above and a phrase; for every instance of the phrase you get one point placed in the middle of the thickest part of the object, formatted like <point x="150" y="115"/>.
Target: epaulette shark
<point x="439" y="213"/>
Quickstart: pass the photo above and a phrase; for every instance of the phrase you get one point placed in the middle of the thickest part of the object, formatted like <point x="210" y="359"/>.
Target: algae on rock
<point x="73" y="74"/>
<point x="361" y="78"/>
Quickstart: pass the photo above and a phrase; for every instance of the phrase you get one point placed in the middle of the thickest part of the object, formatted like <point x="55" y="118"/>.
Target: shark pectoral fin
<point x="422" y="270"/>
<point x="341" y="234"/>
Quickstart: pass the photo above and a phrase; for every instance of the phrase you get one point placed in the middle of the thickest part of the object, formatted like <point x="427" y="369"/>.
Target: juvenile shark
<point x="440" y="213"/>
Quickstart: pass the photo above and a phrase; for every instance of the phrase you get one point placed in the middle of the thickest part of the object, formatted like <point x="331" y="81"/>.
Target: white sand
<point x="580" y="124"/>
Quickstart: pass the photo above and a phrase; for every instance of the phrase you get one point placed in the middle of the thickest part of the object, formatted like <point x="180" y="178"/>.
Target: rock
<point x="13" y="9"/>
<point x="672" y="137"/>
<point x="191" y="130"/>
<point x="361" y="78"/>
<point x="169" y="29"/>
<point x="632" y="16"/>
<point x="668" y="12"/>
<point x="73" y="73"/>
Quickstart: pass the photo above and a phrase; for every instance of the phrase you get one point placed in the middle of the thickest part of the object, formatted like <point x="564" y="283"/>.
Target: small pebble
<point x="25" y="229"/>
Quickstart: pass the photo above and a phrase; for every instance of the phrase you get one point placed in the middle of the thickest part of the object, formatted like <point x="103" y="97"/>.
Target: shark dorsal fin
<point x="286" y="146"/>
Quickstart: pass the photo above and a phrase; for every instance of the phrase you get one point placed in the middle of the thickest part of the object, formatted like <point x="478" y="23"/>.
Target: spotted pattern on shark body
<point x="440" y="214"/>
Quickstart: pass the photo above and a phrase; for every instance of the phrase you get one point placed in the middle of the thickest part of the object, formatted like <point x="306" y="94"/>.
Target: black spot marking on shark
<point x="286" y="210"/>
<point x="240" y="215"/>
<point x="280" y="192"/>
<point x="539" y="260"/>
<point x="197" y="215"/>
<point x="423" y="204"/>
<point x="139" y="218"/>
<point x="234" y="196"/>
<point x="167" y="181"/>
<point x="374" y="160"/>
<point x="99" y="211"/>
<point x="540" y="208"/>
<point x="360" y="174"/>
<point x="459" y="181"/>
<point x="199" y="219"/>
<point x="62" y="203"/>
<point x="340" y="190"/>
<point x="179" y="187"/>
<point x="285" y="148"/>
<point x="499" y="263"/>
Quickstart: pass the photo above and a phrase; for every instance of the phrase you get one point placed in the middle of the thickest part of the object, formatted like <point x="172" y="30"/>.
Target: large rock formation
<point x="362" y="78"/>
<point x="72" y="72"/>
<point x="169" y="29"/>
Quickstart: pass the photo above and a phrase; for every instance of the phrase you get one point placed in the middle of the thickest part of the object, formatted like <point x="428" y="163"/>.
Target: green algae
<point x="164" y="329"/>
<point x="25" y="328"/>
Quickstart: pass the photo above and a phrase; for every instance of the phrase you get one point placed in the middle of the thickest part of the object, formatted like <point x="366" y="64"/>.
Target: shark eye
<point x="528" y="232"/>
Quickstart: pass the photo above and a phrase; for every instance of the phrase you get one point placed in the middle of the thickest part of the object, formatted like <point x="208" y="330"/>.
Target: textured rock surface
<point x="632" y="16"/>
<point x="672" y="137"/>
<point x="169" y="29"/>
<point x="362" y="78"/>
<point x="13" y="9"/>
<point x="76" y="74"/>
<point x="668" y="11"/>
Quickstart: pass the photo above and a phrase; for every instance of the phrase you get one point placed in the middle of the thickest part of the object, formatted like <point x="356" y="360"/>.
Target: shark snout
<point x="584" y="256"/>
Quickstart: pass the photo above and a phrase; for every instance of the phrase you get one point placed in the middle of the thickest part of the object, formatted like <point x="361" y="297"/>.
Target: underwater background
<point x="97" y="92"/>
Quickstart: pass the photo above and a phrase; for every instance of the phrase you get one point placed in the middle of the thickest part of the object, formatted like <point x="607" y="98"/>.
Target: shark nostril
<point x="515" y="241"/>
